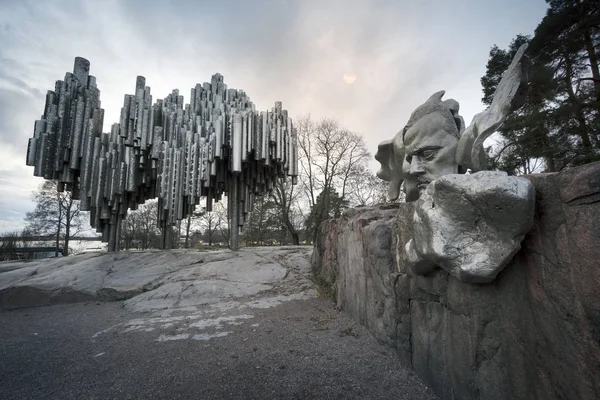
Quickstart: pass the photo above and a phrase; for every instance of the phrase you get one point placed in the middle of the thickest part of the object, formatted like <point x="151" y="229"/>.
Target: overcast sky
<point x="297" y="51"/>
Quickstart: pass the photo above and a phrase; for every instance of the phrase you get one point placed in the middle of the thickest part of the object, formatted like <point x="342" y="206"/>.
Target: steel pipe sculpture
<point x="215" y="145"/>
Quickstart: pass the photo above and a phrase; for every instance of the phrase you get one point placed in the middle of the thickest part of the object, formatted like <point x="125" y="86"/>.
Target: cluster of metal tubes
<point x="215" y="145"/>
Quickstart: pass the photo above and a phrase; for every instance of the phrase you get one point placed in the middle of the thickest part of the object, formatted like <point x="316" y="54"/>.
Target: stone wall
<point x="533" y="333"/>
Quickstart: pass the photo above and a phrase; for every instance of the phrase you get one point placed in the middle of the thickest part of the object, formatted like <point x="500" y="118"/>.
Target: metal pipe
<point x="216" y="145"/>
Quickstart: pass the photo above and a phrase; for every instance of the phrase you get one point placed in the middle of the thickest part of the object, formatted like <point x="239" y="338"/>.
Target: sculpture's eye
<point x="409" y="159"/>
<point x="429" y="154"/>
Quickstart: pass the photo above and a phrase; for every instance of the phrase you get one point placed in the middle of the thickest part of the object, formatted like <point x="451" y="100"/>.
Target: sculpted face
<point x="429" y="153"/>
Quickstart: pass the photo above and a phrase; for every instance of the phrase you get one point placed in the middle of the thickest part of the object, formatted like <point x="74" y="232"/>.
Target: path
<point x="202" y="330"/>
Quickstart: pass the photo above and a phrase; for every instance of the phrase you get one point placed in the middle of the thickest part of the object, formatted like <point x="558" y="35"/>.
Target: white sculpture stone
<point x="470" y="225"/>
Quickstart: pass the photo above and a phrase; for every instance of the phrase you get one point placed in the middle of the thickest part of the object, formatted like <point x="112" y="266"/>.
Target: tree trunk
<point x="67" y="231"/>
<point x="187" y="231"/>
<point x="579" y="115"/>
<point x="210" y="232"/>
<point x="593" y="57"/>
<point x="58" y="225"/>
<point x="57" y="241"/>
<point x="290" y="228"/>
<point x="549" y="164"/>
<point x="593" y="63"/>
<point x="226" y="236"/>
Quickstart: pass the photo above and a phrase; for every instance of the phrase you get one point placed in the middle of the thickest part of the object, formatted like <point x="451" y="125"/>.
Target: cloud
<point x="14" y="117"/>
<point x="16" y="186"/>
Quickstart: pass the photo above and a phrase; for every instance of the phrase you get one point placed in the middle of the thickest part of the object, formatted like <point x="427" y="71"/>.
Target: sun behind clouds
<point x="349" y="78"/>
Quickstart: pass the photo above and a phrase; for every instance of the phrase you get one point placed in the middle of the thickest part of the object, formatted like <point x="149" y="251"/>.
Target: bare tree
<point x="259" y="223"/>
<point x="330" y="156"/>
<point x="9" y="246"/>
<point x="284" y="196"/>
<point x="366" y="189"/>
<point x="14" y="246"/>
<point x="140" y="229"/>
<point x="306" y="128"/>
<point x="212" y="222"/>
<point x="56" y="214"/>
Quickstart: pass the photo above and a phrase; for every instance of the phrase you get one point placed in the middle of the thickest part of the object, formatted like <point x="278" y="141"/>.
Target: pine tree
<point x="329" y="204"/>
<point x="559" y="122"/>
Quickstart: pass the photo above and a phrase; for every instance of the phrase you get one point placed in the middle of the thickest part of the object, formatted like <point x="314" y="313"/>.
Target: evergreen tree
<point x="329" y="204"/>
<point x="566" y="41"/>
<point x="559" y="122"/>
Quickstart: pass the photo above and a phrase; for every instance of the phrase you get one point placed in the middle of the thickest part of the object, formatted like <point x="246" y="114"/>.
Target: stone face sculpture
<point x="470" y="225"/>
<point x="217" y="144"/>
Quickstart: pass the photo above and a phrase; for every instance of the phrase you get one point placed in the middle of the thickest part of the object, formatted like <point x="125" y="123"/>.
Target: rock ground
<point x="153" y="280"/>
<point x="212" y="325"/>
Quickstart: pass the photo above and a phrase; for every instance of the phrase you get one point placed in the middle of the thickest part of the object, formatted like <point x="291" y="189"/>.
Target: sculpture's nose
<point x="416" y="167"/>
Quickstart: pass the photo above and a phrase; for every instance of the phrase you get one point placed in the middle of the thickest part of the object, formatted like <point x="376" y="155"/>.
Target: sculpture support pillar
<point x="234" y="228"/>
<point x="114" y="232"/>
<point x="118" y="232"/>
<point x="166" y="231"/>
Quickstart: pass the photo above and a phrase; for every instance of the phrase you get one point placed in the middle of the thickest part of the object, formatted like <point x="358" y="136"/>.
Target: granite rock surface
<point x="533" y="332"/>
<point x="156" y="280"/>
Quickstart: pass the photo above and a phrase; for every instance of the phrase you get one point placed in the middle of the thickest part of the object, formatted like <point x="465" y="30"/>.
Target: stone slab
<point x="532" y="333"/>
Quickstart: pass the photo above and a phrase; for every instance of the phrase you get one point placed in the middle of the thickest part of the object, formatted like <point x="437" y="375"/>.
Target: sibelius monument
<point x="485" y="284"/>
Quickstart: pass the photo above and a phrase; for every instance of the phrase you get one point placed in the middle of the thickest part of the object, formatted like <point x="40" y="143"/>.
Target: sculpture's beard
<point x="422" y="184"/>
<point x="414" y="187"/>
